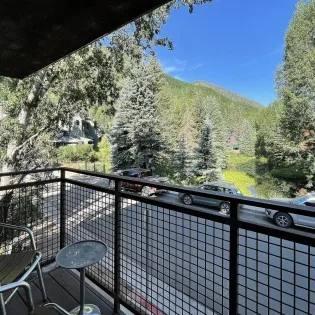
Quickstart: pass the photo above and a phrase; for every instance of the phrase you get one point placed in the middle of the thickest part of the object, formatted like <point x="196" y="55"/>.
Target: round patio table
<point x="78" y="256"/>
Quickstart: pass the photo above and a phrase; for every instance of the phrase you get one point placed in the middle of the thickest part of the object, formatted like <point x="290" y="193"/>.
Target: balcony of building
<point x="163" y="257"/>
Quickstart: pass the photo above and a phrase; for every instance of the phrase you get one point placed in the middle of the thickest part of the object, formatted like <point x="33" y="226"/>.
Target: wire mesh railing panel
<point x="36" y="207"/>
<point x="173" y="263"/>
<point x="89" y="214"/>
<point x="276" y="276"/>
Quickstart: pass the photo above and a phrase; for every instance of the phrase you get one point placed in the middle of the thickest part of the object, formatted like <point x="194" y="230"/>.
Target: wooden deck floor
<point x="62" y="288"/>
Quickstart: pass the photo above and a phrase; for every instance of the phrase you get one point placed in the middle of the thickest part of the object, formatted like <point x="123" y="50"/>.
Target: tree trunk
<point x="10" y="159"/>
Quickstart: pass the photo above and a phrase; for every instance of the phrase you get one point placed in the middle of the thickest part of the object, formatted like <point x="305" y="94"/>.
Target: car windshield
<point x="134" y="173"/>
<point x="300" y="200"/>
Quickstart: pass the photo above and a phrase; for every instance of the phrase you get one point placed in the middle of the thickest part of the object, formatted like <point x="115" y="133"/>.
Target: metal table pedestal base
<point x="89" y="309"/>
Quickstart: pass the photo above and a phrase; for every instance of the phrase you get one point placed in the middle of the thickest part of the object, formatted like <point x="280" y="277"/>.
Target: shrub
<point x="104" y="153"/>
<point x="80" y="152"/>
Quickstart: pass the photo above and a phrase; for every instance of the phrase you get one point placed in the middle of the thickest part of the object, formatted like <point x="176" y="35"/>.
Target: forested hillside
<point x="184" y="104"/>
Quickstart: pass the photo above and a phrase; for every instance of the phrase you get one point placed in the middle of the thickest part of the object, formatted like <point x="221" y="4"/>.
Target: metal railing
<point x="165" y="257"/>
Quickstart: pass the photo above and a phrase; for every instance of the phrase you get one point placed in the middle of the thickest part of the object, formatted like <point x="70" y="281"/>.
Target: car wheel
<point x="187" y="199"/>
<point x="283" y="219"/>
<point x="225" y="208"/>
<point x="111" y="184"/>
<point x="145" y="191"/>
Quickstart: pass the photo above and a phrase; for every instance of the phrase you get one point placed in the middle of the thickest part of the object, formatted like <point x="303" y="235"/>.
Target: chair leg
<point x="41" y="282"/>
<point x="2" y="304"/>
<point x="29" y="298"/>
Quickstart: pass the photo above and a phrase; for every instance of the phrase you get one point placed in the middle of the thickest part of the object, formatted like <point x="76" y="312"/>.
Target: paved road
<point x="192" y="255"/>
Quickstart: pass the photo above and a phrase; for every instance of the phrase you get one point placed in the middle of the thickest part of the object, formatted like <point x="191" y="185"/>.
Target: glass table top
<point x="81" y="254"/>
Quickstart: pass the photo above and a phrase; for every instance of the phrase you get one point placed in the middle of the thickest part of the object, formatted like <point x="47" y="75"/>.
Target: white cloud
<point x="196" y="66"/>
<point x="174" y="66"/>
<point x="257" y="59"/>
<point x="179" y="78"/>
<point x="171" y="69"/>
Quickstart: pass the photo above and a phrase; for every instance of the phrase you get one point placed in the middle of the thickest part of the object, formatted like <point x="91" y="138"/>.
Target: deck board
<point x="67" y="280"/>
<point x="62" y="287"/>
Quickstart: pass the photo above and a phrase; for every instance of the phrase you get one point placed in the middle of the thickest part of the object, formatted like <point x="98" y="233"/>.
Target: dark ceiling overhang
<point x="36" y="33"/>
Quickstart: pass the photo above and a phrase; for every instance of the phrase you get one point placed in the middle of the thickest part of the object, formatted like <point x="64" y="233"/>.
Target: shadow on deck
<point x="63" y="288"/>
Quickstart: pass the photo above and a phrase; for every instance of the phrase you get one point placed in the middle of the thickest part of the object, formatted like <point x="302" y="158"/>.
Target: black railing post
<point x="62" y="208"/>
<point x="233" y="267"/>
<point x="117" y="259"/>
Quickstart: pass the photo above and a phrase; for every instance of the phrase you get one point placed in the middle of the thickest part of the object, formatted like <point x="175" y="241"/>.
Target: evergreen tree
<point x="206" y="157"/>
<point x="181" y="164"/>
<point x="247" y="138"/>
<point x="136" y="135"/>
<point x="296" y="87"/>
<point x="209" y="110"/>
<point x="120" y="137"/>
<point x="296" y="80"/>
<point x="145" y="126"/>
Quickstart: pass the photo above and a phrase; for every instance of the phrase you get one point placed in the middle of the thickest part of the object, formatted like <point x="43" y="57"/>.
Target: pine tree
<point x="145" y="127"/>
<point x="247" y="139"/>
<point x="120" y="137"/>
<point x="181" y="164"/>
<point x="206" y="157"/>
<point x="209" y="110"/>
<point x="136" y="134"/>
<point x="296" y="88"/>
<point x="296" y="81"/>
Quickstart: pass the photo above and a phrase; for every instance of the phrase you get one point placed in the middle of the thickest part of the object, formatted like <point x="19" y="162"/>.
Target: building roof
<point x="36" y="33"/>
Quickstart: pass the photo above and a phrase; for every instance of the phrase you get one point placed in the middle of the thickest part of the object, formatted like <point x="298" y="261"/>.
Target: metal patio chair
<point x="15" y="269"/>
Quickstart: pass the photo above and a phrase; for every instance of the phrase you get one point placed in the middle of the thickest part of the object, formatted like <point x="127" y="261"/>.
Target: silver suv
<point x="224" y="206"/>
<point x="286" y="220"/>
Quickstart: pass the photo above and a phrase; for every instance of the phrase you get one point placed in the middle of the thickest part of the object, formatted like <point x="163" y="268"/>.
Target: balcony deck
<point x="62" y="288"/>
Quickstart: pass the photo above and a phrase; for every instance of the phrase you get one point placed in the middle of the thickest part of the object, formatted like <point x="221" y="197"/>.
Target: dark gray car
<point x="224" y="206"/>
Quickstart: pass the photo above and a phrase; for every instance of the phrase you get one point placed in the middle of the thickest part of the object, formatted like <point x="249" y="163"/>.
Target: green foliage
<point x="240" y="179"/>
<point x="79" y="152"/>
<point x="102" y="116"/>
<point x="104" y="153"/>
<point x="184" y="104"/>
<point x="248" y="164"/>
<point x="269" y="187"/>
<point x="136" y="134"/>
<point x="290" y="173"/>
<point x="206" y="154"/>
<point x="182" y="161"/>
<point x="247" y="139"/>
<point x="267" y="124"/>
<point x="296" y="88"/>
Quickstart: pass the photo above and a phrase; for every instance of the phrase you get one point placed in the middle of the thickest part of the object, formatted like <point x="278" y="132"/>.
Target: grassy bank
<point x="240" y="179"/>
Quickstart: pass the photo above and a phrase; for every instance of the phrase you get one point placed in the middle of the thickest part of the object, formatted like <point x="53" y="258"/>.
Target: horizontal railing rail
<point x="250" y="201"/>
<point x="34" y="171"/>
<point x="30" y="184"/>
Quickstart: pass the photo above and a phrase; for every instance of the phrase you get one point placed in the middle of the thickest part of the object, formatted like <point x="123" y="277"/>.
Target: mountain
<point x="181" y="104"/>
<point x="234" y="97"/>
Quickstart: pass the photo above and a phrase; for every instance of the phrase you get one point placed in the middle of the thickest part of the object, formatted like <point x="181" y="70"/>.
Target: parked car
<point x="224" y="206"/>
<point x="145" y="174"/>
<point x="286" y="220"/>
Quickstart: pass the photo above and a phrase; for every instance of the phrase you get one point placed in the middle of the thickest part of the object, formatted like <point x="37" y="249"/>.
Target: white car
<point x="286" y="220"/>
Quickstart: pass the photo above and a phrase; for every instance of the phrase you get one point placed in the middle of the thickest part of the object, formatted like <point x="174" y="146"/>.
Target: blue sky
<point x="235" y="44"/>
